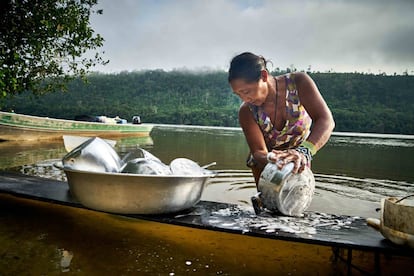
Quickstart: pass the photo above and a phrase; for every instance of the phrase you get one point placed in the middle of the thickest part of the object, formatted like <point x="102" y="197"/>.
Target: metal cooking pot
<point x="126" y="193"/>
<point x="184" y="166"/>
<point x="146" y="166"/>
<point x="282" y="191"/>
<point x="95" y="154"/>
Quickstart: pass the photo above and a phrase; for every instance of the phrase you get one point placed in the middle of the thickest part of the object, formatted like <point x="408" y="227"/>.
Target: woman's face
<point x="250" y="92"/>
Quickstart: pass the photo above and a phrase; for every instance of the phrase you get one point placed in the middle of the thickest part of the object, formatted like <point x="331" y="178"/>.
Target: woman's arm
<point x="322" y="120"/>
<point x="254" y="135"/>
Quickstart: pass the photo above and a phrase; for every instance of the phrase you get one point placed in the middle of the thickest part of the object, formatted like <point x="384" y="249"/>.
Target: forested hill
<point x="359" y="102"/>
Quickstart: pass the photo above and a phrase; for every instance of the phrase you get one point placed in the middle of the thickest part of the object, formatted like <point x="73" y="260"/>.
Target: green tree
<point x="359" y="102"/>
<point x="45" y="40"/>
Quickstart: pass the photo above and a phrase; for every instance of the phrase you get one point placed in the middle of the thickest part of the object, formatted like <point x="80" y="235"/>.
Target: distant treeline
<point x="359" y="102"/>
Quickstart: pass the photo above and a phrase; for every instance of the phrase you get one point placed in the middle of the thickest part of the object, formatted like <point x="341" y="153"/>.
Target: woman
<point x="277" y="113"/>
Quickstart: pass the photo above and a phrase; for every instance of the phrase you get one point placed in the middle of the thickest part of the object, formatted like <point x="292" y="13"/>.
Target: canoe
<point x="17" y="127"/>
<point x="349" y="238"/>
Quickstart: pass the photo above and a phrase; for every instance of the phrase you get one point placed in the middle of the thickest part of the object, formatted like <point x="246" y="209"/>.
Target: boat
<point x="343" y="239"/>
<point x="18" y="127"/>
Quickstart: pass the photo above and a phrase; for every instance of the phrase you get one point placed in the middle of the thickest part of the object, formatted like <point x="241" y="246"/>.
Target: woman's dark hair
<point x="247" y="66"/>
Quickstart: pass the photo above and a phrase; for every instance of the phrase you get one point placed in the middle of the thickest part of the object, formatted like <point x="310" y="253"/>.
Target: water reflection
<point x="367" y="158"/>
<point x="227" y="147"/>
<point x="352" y="173"/>
<point x="13" y="153"/>
<point x="39" y="240"/>
<point x="127" y="144"/>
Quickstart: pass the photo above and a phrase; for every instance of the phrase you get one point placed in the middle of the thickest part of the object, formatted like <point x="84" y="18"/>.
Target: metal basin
<point x="126" y="193"/>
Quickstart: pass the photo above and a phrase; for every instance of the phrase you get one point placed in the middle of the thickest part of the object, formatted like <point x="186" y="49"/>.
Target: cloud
<point x="340" y="35"/>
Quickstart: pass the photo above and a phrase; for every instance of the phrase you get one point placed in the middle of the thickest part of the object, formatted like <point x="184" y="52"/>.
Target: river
<point x="353" y="172"/>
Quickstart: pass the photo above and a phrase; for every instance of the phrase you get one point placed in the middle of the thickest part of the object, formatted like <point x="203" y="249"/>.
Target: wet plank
<point x="314" y="228"/>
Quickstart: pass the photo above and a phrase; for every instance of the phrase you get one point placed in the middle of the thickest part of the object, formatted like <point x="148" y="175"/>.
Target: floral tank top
<point x="297" y="126"/>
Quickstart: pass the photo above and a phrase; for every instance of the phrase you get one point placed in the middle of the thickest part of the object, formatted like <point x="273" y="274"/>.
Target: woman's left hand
<point x="283" y="157"/>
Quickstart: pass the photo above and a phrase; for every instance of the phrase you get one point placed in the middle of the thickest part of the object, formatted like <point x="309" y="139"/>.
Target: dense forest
<point x="359" y="102"/>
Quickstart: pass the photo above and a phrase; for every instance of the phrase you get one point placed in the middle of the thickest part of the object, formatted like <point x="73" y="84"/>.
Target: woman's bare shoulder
<point x="301" y="78"/>
<point x="244" y="107"/>
<point x="245" y="115"/>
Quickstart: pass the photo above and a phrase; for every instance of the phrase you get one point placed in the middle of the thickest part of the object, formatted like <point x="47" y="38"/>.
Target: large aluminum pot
<point x="95" y="154"/>
<point x="282" y="191"/>
<point x="126" y="193"/>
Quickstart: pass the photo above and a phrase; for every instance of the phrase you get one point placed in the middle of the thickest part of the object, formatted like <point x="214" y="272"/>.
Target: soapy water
<point x="244" y="219"/>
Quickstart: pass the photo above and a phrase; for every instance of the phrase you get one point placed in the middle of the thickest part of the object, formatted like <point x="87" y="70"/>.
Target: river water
<point x="353" y="172"/>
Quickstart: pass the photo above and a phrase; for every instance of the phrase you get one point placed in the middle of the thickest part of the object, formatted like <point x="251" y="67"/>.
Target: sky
<point x="371" y="36"/>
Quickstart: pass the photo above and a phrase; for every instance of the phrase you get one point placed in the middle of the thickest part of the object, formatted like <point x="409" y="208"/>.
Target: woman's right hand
<point x="283" y="157"/>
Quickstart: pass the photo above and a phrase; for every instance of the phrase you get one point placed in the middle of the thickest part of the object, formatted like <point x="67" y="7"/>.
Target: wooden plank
<point x="314" y="228"/>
